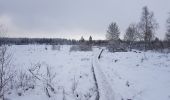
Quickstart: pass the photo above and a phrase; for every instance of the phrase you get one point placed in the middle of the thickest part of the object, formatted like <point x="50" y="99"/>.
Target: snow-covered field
<point x="120" y="76"/>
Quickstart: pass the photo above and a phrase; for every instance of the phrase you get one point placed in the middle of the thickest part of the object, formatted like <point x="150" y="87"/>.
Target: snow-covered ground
<point x="137" y="76"/>
<point x="120" y="75"/>
<point x="72" y="69"/>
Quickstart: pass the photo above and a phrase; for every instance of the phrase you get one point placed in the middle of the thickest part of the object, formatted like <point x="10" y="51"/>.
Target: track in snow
<point x="104" y="88"/>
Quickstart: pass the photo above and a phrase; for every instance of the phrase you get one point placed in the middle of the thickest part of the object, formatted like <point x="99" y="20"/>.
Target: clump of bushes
<point x="55" y="47"/>
<point x="80" y="48"/>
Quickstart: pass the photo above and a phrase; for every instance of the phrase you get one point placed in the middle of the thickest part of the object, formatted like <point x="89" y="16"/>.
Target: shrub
<point x="55" y="47"/>
<point x="80" y="48"/>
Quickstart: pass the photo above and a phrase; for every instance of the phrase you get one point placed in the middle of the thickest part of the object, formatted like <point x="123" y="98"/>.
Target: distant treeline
<point x="24" y="41"/>
<point x="50" y="41"/>
<point x="156" y="44"/>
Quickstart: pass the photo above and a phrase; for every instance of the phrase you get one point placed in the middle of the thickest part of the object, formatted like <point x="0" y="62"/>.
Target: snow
<point x="68" y="66"/>
<point x="120" y="76"/>
<point x="105" y="90"/>
<point x="137" y="79"/>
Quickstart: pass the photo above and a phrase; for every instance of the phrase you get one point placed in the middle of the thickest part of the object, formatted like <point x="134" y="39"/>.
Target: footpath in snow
<point x="105" y="90"/>
<point x="133" y="75"/>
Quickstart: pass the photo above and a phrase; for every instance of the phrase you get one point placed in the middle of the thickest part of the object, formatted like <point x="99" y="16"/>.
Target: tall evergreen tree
<point x="90" y="39"/>
<point x="82" y="39"/>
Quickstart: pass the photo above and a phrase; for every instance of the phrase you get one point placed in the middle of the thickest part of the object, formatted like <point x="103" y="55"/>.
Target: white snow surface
<point x="120" y="75"/>
<point x="137" y="76"/>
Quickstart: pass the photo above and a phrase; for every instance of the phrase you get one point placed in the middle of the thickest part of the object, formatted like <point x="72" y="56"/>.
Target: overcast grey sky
<point x="76" y="18"/>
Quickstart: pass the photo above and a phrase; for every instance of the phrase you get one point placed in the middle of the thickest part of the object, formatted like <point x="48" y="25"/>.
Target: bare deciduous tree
<point x="113" y="32"/>
<point x="6" y="73"/>
<point x="3" y="31"/>
<point x="25" y="81"/>
<point x="44" y="74"/>
<point x="131" y="34"/>
<point x="148" y="25"/>
<point x="167" y="36"/>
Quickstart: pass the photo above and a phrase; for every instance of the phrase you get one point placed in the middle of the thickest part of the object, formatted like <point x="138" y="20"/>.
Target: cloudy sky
<point x="76" y="18"/>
